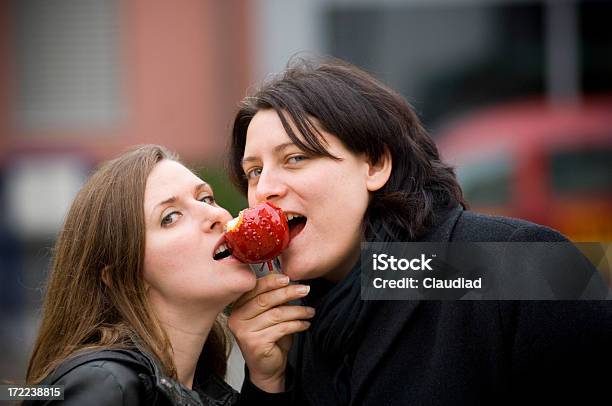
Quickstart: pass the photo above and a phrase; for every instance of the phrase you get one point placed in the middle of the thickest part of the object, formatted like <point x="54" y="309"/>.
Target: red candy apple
<point x="258" y="234"/>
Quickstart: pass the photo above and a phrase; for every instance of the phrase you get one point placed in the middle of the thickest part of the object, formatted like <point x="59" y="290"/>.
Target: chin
<point x="301" y="273"/>
<point x="244" y="282"/>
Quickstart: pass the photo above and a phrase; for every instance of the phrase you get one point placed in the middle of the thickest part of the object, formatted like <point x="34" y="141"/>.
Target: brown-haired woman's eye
<point x="170" y="218"/>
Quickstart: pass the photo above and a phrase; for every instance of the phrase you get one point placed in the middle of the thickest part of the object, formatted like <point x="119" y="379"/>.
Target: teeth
<point x="221" y="248"/>
<point x="293" y="216"/>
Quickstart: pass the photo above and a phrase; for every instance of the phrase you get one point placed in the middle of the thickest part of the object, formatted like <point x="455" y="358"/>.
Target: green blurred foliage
<point x="226" y="194"/>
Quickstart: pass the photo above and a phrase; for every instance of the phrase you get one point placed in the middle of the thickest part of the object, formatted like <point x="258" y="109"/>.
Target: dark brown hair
<point x="368" y="117"/>
<point x="95" y="295"/>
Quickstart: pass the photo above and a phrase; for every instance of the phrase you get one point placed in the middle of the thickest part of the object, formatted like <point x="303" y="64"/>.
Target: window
<point x="66" y="64"/>
<point x="486" y="182"/>
<point x="587" y="170"/>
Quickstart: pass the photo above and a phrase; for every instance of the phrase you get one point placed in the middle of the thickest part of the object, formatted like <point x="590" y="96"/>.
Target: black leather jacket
<point x="132" y="377"/>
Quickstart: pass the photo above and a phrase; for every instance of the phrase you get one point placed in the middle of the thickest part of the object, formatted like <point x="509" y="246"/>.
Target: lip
<point x="231" y="260"/>
<point x="297" y="236"/>
<point x="217" y="245"/>
<point x="227" y="260"/>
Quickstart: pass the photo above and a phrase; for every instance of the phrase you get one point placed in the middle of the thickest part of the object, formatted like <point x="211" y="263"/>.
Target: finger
<point x="270" y="299"/>
<point x="278" y="315"/>
<point x="264" y="284"/>
<point x="276" y="332"/>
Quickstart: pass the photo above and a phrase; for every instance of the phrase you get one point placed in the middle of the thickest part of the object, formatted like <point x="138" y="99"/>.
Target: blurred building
<point x="82" y="80"/>
<point x="449" y="57"/>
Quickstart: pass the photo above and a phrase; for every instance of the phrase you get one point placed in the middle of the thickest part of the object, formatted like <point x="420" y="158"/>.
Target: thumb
<point x="285" y="343"/>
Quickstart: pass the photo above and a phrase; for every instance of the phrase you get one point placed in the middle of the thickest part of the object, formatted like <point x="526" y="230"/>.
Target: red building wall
<point x="184" y="66"/>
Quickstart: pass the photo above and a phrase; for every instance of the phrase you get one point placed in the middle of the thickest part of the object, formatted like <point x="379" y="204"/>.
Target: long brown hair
<point x="369" y="118"/>
<point x="95" y="295"/>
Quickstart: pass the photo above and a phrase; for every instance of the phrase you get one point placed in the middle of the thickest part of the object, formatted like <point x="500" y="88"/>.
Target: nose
<point x="270" y="187"/>
<point x="214" y="218"/>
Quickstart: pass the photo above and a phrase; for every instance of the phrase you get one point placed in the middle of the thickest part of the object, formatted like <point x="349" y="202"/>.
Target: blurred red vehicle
<point x="551" y="164"/>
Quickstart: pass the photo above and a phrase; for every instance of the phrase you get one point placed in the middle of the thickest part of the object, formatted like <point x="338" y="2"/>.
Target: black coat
<point x="131" y="377"/>
<point x="455" y="352"/>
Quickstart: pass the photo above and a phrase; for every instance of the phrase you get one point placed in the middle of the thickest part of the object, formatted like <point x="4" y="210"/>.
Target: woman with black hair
<point x="348" y="160"/>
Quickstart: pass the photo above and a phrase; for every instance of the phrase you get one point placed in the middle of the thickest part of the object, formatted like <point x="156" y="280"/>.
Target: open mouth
<point x="296" y="224"/>
<point x="221" y="250"/>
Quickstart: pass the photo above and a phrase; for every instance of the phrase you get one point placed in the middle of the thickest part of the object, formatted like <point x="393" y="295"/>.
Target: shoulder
<point x="478" y="227"/>
<point x="101" y="378"/>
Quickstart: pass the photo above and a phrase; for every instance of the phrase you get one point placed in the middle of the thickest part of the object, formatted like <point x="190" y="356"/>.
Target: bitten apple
<point x="258" y="234"/>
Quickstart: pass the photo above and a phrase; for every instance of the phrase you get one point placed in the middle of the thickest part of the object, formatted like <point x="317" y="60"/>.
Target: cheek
<point x="174" y="279"/>
<point x="156" y="269"/>
<point x="165" y="258"/>
<point x="342" y="215"/>
<point x="346" y="199"/>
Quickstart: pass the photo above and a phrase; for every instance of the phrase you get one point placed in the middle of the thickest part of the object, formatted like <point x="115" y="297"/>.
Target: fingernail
<point x="310" y="311"/>
<point x="303" y="289"/>
<point x="283" y="280"/>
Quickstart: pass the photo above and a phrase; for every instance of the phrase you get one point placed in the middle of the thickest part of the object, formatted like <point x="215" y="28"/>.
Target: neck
<point x="187" y="329"/>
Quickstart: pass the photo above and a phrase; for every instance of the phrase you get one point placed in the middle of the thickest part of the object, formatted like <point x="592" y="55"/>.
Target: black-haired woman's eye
<point x="294" y="159"/>
<point x="253" y="173"/>
<point x="209" y="199"/>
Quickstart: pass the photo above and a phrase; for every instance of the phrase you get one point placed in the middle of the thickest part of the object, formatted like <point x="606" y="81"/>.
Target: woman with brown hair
<point x="134" y="300"/>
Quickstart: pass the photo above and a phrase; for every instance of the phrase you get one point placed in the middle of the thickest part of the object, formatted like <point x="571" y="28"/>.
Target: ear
<point x="379" y="173"/>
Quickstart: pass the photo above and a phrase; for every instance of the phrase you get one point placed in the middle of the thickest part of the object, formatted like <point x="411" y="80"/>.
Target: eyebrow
<point x="276" y="149"/>
<point x="173" y="199"/>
